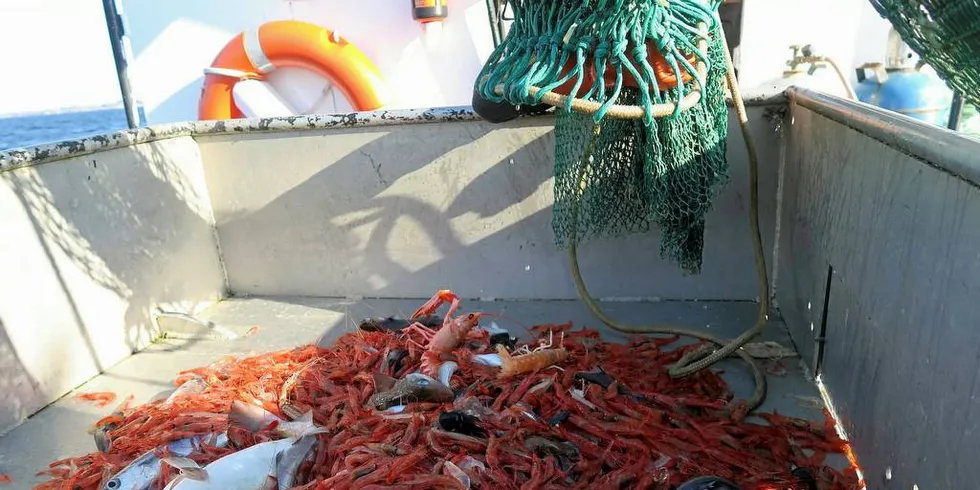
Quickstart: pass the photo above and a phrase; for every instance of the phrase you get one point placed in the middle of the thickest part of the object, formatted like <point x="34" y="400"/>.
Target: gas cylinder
<point x="426" y="11"/>
<point x="902" y="87"/>
<point x="811" y="72"/>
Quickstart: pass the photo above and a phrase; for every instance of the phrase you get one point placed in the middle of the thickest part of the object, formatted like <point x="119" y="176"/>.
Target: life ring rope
<point x="228" y="72"/>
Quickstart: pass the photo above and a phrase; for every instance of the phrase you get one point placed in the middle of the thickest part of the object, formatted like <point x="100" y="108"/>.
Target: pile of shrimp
<point x="645" y="430"/>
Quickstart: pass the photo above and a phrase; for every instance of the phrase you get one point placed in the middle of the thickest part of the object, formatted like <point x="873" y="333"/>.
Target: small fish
<point x="414" y="387"/>
<point x="461" y="423"/>
<point x="256" y="467"/>
<point x="708" y="483"/>
<point x="192" y="386"/>
<point x="291" y="459"/>
<point x="101" y="435"/>
<point x="392" y="324"/>
<point x="256" y="418"/>
<point x="144" y="470"/>
<point x="252" y="468"/>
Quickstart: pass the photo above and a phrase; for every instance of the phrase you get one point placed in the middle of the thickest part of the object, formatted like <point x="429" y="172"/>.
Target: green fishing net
<point x="615" y="176"/>
<point x="945" y="34"/>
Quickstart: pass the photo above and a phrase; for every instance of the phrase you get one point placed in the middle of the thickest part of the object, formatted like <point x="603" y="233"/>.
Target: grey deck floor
<point x="60" y="430"/>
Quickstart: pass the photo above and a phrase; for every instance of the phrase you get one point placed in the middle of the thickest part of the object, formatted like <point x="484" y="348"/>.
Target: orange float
<point x="289" y="43"/>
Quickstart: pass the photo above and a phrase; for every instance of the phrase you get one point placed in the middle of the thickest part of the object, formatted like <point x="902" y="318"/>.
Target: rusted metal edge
<point x="36" y="155"/>
<point x="939" y="147"/>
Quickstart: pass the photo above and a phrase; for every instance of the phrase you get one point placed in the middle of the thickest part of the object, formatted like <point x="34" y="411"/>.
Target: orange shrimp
<point x="445" y="341"/>
<point x="511" y="365"/>
<point x="101" y="398"/>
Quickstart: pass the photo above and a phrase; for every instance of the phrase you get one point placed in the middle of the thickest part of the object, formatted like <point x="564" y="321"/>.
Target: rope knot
<point x="619" y="48"/>
<point x="639" y="51"/>
<point x="585" y="43"/>
<point x="602" y="50"/>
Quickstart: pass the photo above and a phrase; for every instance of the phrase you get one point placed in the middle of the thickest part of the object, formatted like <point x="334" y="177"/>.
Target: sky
<point x="58" y="53"/>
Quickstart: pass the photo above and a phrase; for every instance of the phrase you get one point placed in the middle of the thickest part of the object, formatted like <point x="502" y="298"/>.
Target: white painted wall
<point x="173" y="44"/>
<point x="89" y="246"/>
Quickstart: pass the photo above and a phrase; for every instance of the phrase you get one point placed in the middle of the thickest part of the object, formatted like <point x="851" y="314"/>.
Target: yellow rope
<point x="702" y="358"/>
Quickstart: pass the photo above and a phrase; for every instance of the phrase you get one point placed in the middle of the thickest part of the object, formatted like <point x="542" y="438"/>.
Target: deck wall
<point x="89" y="246"/>
<point x="893" y="207"/>
<point x="403" y="211"/>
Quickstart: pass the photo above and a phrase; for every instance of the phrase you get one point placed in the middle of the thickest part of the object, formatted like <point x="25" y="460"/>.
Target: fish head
<point x="114" y="484"/>
<point x="139" y="474"/>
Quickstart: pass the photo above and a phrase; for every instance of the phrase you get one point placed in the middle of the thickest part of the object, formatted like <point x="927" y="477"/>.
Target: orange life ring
<point x="289" y="43"/>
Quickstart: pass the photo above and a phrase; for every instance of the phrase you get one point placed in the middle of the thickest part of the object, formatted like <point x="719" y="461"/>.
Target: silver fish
<point x="144" y="470"/>
<point x="252" y="468"/>
<point x="255" y="418"/>
<point x="192" y="386"/>
<point x="414" y="387"/>
<point x="291" y="459"/>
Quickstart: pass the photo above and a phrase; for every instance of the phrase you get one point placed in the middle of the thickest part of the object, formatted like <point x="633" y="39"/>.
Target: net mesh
<point x="620" y="176"/>
<point x="945" y="34"/>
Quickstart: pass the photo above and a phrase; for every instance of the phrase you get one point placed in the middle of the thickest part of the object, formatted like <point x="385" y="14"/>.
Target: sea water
<point x="36" y="129"/>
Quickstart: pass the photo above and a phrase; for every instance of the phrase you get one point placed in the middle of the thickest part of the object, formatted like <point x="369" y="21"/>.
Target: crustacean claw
<point x="430" y="307"/>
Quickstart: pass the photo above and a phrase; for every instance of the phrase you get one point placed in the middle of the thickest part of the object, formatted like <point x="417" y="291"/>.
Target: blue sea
<point x="21" y="131"/>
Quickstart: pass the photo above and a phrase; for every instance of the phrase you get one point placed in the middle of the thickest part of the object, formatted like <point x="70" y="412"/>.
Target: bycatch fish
<point x="256" y="467"/>
<point x="144" y="470"/>
<point x="255" y="418"/>
<point x="291" y="459"/>
<point x="252" y="468"/>
<point x="414" y="387"/>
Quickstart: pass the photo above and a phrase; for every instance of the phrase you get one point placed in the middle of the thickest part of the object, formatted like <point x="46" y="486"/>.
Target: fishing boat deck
<point x="284" y="322"/>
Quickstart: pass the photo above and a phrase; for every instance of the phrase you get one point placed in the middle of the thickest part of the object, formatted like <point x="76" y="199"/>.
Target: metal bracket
<point x="820" y="341"/>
